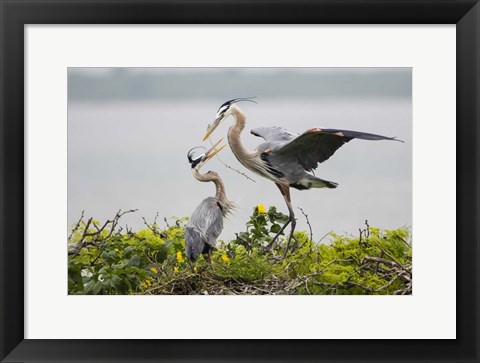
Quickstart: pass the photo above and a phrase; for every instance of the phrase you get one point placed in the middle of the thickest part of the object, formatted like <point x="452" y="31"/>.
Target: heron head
<point x="197" y="161"/>
<point x="223" y="112"/>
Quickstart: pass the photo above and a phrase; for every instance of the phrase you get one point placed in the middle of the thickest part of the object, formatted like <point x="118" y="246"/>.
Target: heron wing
<point x="215" y="225"/>
<point x="207" y="220"/>
<point x="273" y="134"/>
<point x="194" y="243"/>
<point x="318" y="145"/>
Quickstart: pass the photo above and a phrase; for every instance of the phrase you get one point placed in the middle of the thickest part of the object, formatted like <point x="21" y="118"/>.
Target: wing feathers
<point x="318" y="145"/>
<point x="273" y="134"/>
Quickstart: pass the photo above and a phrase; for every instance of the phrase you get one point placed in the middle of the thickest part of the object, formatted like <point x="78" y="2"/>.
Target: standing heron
<point x="286" y="159"/>
<point x="206" y="222"/>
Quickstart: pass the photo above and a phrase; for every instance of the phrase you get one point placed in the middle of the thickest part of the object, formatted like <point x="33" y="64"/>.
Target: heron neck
<point x="234" y="132"/>
<point x="215" y="178"/>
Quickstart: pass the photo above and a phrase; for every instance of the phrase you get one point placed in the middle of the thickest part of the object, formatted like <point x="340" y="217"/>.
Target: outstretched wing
<point x="273" y="134"/>
<point x="317" y="145"/>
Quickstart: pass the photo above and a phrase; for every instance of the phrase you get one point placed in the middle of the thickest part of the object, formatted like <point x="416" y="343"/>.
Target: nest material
<point x="208" y="282"/>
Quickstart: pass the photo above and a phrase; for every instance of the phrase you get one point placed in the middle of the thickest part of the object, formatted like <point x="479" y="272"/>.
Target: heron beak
<point x="213" y="151"/>
<point x="212" y="128"/>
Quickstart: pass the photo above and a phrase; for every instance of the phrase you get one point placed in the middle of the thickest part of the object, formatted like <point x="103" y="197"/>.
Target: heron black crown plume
<point x="235" y="100"/>
<point x="194" y="160"/>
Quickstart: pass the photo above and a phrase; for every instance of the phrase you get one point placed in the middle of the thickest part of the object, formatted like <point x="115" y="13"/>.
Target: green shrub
<point x="105" y="259"/>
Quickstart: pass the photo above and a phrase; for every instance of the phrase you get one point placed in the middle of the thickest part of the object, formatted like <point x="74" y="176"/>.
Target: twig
<point x="308" y="222"/>
<point x="404" y="241"/>
<point x="96" y="236"/>
<point x="76" y="226"/>
<point x="153" y="227"/>
<point x="229" y="167"/>
<point x="166" y="222"/>
<point x="364" y="232"/>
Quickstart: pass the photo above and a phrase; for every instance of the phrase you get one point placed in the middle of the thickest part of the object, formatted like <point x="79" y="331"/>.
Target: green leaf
<point x="275" y="228"/>
<point x="134" y="261"/>
<point x="127" y="252"/>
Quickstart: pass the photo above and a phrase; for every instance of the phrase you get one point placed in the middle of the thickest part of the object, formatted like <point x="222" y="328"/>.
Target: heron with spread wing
<point x="206" y="222"/>
<point x="286" y="159"/>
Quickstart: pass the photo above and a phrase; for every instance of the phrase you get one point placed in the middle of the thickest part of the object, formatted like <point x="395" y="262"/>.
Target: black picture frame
<point x="17" y="13"/>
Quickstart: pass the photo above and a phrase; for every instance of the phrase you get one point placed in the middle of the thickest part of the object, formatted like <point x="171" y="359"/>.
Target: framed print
<point x="107" y="112"/>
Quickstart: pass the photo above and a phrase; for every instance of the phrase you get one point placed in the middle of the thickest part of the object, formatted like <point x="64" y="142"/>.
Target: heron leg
<point x="207" y="257"/>
<point x="192" y="267"/>
<point x="272" y="242"/>
<point x="292" y="219"/>
<point x="285" y="190"/>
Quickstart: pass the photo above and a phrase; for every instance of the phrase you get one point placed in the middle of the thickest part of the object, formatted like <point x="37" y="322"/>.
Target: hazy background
<point x="129" y="130"/>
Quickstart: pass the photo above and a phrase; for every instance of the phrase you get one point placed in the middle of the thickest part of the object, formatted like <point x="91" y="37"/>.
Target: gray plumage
<point x="285" y="158"/>
<point x="290" y="157"/>
<point x="206" y="221"/>
<point x="203" y="229"/>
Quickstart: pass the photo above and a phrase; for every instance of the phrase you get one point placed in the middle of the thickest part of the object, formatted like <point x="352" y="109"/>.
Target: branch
<point x="96" y="236"/>
<point x="229" y="167"/>
<point x="153" y="227"/>
<point x="308" y="222"/>
<point x="76" y="226"/>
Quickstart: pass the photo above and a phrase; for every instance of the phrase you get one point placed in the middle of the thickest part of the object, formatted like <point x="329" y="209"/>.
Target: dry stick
<point x="76" y="226"/>
<point x="166" y="222"/>
<point x="379" y="260"/>
<point x="404" y="241"/>
<point x="229" y="167"/>
<point x="394" y="259"/>
<point x="76" y="250"/>
<point x="153" y="227"/>
<point x="398" y="269"/>
<point x="117" y="218"/>
<point x="99" y="230"/>
<point x="236" y="170"/>
<point x="387" y="285"/>
<point x="364" y="232"/>
<point x="350" y="284"/>
<point x="308" y="222"/>
<point x="298" y="282"/>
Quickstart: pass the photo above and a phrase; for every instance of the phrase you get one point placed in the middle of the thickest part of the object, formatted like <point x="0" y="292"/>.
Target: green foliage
<point x="105" y="260"/>
<point x="261" y="228"/>
<point x="110" y="262"/>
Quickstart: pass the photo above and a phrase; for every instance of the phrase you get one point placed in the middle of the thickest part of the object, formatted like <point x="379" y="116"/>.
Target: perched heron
<point x="206" y="222"/>
<point x="286" y="159"/>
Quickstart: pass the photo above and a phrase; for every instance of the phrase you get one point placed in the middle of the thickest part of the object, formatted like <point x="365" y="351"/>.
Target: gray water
<point x="125" y="154"/>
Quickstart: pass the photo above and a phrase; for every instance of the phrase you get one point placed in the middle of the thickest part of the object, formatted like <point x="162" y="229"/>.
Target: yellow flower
<point x="261" y="209"/>
<point x="154" y="270"/>
<point x="175" y="269"/>
<point x="179" y="257"/>
<point x="147" y="284"/>
<point x="226" y="259"/>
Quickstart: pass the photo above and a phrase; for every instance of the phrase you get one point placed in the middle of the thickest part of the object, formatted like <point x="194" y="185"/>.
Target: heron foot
<point x="294" y="223"/>
<point x="271" y="244"/>
<point x="203" y="269"/>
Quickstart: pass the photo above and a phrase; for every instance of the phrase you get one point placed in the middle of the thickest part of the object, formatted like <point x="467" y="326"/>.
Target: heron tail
<point x="194" y="244"/>
<point x="313" y="182"/>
